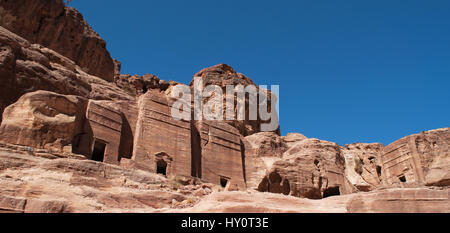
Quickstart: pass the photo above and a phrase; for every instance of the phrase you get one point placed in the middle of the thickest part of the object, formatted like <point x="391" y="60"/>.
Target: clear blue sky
<point x="349" y="71"/>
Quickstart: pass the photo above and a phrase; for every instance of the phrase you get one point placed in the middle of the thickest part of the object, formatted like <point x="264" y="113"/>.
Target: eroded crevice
<point x="244" y="173"/>
<point x="196" y="152"/>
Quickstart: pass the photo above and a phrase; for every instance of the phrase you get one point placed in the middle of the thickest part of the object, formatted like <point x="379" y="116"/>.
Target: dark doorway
<point x="196" y="152"/>
<point x="402" y="179"/>
<point x="223" y="181"/>
<point x="161" y="167"/>
<point x="99" y="151"/>
<point x="333" y="191"/>
<point x="379" y="170"/>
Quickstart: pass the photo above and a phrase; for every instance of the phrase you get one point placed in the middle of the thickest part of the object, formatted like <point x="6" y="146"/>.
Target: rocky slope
<point x="39" y="181"/>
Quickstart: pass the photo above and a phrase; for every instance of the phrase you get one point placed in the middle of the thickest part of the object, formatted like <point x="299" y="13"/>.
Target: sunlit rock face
<point x="418" y="159"/>
<point x="222" y="75"/>
<point x="78" y="136"/>
<point x="60" y="28"/>
<point x="363" y="166"/>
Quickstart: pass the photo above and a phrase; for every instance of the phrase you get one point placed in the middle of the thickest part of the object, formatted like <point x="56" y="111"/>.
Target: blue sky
<point x="349" y="71"/>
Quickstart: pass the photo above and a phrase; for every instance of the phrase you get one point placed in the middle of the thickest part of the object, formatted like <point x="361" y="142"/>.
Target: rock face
<point x="222" y="75"/>
<point x="314" y="169"/>
<point x="63" y="29"/>
<point x="419" y="159"/>
<point x="297" y="166"/>
<point x="317" y="169"/>
<point x="412" y="200"/>
<point x="267" y="144"/>
<point x="137" y="85"/>
<point x="43" y="120"/>
<point x="32" y="184"/>
<point x="261" y="151"/>
<point x="220" y="159"/>
<point x="409" y="200"/>
<point x="26" y="67"/>
<point x="292" y="138"/>
<point x="363" y="165"/>
<point x="77" y="136"/>
<point x="162" y="144"/>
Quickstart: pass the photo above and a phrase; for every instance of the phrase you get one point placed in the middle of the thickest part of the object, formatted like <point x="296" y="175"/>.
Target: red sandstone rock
<point x="26" y="67"/>
<point x="419" y="159"/>
<point x="43" y="120"/>
<point x="314" y="169"/>
<point x="291" y="138"/>
<point x="267" y="144"/>
<point x="46" y="206"/>
<point x="363" y="165"/>
<point x="223" y="75"/>
<point x="137" y="85"/>
<point x="48" y="140"/>
<point x="63" y="29"/>
<point x="160" y="139"/>
<point x="417" y="200"/>
<point x="296" y="166"/>
<point x="219" y="157"/>
<point x="261" y="151"/>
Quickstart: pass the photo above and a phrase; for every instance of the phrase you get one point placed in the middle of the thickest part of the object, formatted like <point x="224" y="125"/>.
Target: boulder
<point x="43" y="119"/>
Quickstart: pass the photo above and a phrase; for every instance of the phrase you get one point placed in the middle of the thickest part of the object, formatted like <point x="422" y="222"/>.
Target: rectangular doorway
<point x="224" y="181"/>
<point x="98" y="154"/>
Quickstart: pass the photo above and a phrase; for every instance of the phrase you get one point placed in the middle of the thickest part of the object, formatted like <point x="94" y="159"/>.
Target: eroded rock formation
<point x="419" y="159"/>
<point x="222" y="75"/>
<point x="137" y="85"/>
<point x="26" y="67"/>
<point x="314" y="168"/>
<point x="363" y="165"/>
<point x="62" y="29"/>
<point x="43" y="119"/>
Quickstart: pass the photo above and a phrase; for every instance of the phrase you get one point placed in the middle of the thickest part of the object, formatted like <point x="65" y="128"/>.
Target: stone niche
<point x="218" y="154"/>
<point x="160" y="140"/>
<point x="101" y="134"/>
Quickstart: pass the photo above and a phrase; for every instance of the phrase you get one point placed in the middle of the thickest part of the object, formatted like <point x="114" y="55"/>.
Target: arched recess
<point x="274" y="183"/>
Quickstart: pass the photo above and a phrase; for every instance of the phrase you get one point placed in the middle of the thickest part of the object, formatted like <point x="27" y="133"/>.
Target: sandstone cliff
<point x="62" y="29"/>
<point x="78" y="136"/>
<point x="26" y="67"/>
